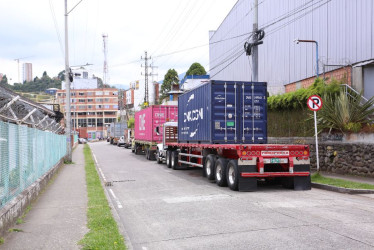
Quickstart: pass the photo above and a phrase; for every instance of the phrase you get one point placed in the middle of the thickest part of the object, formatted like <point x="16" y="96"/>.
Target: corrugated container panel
<point x="225" y="112"/>
<point x="149" y="121"/>
<point x="343" y="28"/>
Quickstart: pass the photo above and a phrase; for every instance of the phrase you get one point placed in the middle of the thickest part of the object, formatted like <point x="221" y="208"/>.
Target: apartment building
<point x="92" y="110"/>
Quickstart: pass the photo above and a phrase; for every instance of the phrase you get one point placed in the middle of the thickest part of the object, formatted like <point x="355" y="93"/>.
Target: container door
<point x="225" y="107"/>
<point x="253" y="113"/>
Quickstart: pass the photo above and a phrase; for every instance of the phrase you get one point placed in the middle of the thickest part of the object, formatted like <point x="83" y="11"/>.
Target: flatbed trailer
<point x="239" y="166"/>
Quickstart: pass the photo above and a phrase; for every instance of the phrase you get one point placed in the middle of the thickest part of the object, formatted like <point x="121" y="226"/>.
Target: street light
<point x="297" y="41"/>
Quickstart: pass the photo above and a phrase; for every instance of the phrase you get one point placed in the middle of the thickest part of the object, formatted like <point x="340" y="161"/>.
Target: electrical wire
<point x="56" y="27"/>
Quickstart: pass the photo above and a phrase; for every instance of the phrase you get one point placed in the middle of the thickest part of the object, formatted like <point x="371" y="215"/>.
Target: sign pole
<point x="315" y="130"/>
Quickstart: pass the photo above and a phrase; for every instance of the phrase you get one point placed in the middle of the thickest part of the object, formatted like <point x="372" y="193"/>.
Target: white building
<point x="82" y="81"/>
<point x="27" y="72"/>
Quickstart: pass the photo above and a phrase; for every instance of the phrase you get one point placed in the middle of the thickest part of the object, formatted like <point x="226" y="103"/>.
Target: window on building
<point x="81" y="100"/>
<point x="106" y="106"/>
<point x="82" y="113"/>
<point x="99" y="106"/>
<point x="109" y="113"/>
<point x="99" y="93"/>
<point x="106" y="92"/>
<point x="99" y="99"/>
<point x="89" y="106"/>
<point x="82" y="107"/>
<point x="115" y="93"/>
<point x="91" y="122"/>
<point x="99" y="113"/>
<point x="100" y="122"/>
<point x="90" y="93"/>
<point x="73" y="94"/>
<point x="89" y="100"/>
<point x="110" y="120"/>
<point x="85" y="74"/>
<point x="81" y="93"/>
<point x="106" y="100"/>
<point x="82" y="123"/>
<point x="115" y="106"/>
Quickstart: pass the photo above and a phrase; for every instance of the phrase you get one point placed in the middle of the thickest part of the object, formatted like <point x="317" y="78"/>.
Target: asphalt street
<point x="161" y="208"/>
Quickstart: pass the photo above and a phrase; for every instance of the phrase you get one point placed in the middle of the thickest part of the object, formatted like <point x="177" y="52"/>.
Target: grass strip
<point x="103" y="232"/>
<point x="318" y="178"/>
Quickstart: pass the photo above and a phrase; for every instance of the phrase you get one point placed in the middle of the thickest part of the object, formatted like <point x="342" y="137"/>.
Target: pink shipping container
<point x="149" y="121"/>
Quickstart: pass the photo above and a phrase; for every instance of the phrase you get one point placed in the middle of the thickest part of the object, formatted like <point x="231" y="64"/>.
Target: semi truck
<point x="115" y="131"/>
<point x="222" y="128"/>
<point x="148" y="128"/>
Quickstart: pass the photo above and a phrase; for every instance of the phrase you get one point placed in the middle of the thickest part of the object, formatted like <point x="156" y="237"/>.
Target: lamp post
<point x="297" y="41"/>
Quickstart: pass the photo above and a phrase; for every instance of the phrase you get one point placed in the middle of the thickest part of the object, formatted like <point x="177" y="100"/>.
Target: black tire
<point x="158" y="159"/>
<point x="147" y="153"/>
<point x="152" y="156"/>
<point x="209" y="166"/>
<point x="174" y="160"/>
<point x="137" y="150"/>
<point x="232" y="175"/>
<point x="220" y="172"/>
<point x="168" y="155"/>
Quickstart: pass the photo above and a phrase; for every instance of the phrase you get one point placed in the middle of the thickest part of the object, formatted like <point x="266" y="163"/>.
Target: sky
<point x="34" y="32"/>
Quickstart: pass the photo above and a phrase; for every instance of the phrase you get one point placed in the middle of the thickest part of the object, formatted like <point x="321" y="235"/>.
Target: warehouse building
<point x="343" y="30"/>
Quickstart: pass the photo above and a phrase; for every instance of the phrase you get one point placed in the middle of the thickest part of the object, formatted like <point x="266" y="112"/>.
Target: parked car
<point x="121" y="141"/>
<point x="82" y="141"/>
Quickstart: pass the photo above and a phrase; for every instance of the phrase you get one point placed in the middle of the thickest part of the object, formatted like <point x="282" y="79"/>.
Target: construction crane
<point x="17" y="60"/>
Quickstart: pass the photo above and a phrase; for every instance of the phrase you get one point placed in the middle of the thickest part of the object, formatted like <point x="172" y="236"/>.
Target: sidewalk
<point x="57" y="220"/>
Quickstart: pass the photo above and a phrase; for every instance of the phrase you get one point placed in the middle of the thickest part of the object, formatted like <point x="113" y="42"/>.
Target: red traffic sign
<point x="314" y="102"/>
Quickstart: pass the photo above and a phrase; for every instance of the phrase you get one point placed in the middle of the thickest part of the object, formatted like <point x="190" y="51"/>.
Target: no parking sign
<point x="314" y="104"/>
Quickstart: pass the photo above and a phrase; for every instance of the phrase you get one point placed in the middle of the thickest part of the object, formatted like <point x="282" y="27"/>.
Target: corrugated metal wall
<point x="343" y="29"/>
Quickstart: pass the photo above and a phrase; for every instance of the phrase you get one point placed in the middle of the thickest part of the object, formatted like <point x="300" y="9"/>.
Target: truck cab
<point x="170" y="134"/>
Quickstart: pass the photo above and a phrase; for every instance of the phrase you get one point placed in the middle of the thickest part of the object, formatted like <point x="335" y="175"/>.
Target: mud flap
<point x="247" y="184"/>
<point x="302" y="182"/>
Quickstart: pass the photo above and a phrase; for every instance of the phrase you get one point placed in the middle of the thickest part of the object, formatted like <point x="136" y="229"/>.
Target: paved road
<point x="161" y="208"/>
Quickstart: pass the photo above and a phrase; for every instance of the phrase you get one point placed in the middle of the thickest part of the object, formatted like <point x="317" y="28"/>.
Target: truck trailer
<point x="115" y="131"/>
<point x="149" y="126"/>
<point x="222" y="128"/>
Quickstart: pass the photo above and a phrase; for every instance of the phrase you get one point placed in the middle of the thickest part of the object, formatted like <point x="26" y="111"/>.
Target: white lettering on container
<point x="193" y="115"/>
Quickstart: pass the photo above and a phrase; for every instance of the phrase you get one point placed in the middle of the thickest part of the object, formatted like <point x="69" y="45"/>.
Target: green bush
<point x="353" y="127"/>
<point x="298" y="99"/>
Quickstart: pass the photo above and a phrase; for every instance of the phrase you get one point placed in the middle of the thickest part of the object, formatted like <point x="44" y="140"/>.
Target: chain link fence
<point x="25" y="155"/>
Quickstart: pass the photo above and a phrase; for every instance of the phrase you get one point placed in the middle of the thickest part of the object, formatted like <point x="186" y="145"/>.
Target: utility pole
<point x="152" y="75"/>
<point x="105" y="73"/>
<point x="146" y="99"/>
<point x="255" y="49"/>
<point x="67" y="82"/>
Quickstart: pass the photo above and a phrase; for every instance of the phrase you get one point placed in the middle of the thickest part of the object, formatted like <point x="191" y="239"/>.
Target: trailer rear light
<point x="244" y="153"/>
<point x="305" y="152"/>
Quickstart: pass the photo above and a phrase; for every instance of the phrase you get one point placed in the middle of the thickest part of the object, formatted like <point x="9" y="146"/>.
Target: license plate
<point x="275" y="160"/>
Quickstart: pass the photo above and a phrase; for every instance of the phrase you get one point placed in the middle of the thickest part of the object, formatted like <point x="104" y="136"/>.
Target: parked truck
<point x="148" y="128"/>
<point x="222" y="128"/>
<point x="115" y="131"/>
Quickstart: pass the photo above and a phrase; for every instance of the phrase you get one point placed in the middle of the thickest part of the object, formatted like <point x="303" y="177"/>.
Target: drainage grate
<point x="110" y="183"/>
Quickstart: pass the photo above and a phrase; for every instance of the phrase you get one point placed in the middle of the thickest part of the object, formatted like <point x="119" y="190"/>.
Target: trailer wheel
<point x="232" y="174"/>
<point x="209" y="166"/>
<point x="152" y="156"/>
<point x="137" y="150"/>
<point x="147" y="153"/>
<point x="174" y="160"/>
<point x="220" y="172"/>
<point x="158" y="159"/>
<point x="168" y="155"/>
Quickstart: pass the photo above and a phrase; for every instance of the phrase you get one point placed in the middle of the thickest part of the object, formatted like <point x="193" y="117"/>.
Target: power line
<point x="56" y="27"/>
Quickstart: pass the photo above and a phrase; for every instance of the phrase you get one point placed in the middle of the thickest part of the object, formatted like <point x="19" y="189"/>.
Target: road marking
<point x="95" y="158"/>
<point x="115" y="198"/>
<point x="102" y="174"/>
<point x="196" y="198"/>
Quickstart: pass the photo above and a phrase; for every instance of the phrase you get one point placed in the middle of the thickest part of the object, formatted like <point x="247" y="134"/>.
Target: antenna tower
<point x="146" y="58"/>
<point x="105" y="73"/>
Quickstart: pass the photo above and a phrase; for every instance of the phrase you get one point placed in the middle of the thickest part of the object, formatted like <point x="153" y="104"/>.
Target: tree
<point x="61" y="75"/>
<point x="170" y="77"/>
<point x="196" y="69"/>
<point x="4" y="80"/>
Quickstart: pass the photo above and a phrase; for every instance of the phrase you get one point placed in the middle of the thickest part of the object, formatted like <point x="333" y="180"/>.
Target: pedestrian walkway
<point x="57" y="219"/>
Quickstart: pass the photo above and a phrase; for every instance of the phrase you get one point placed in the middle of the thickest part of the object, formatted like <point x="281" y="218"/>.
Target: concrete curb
<point x="341" y="189"/>
<point x="15" y="208"/>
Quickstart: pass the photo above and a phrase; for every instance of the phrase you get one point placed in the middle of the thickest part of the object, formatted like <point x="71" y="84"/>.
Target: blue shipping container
<point x="224" y="112"/>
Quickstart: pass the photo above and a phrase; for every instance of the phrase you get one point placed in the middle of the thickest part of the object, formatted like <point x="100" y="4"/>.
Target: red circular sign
<point x="314" y="102"/>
